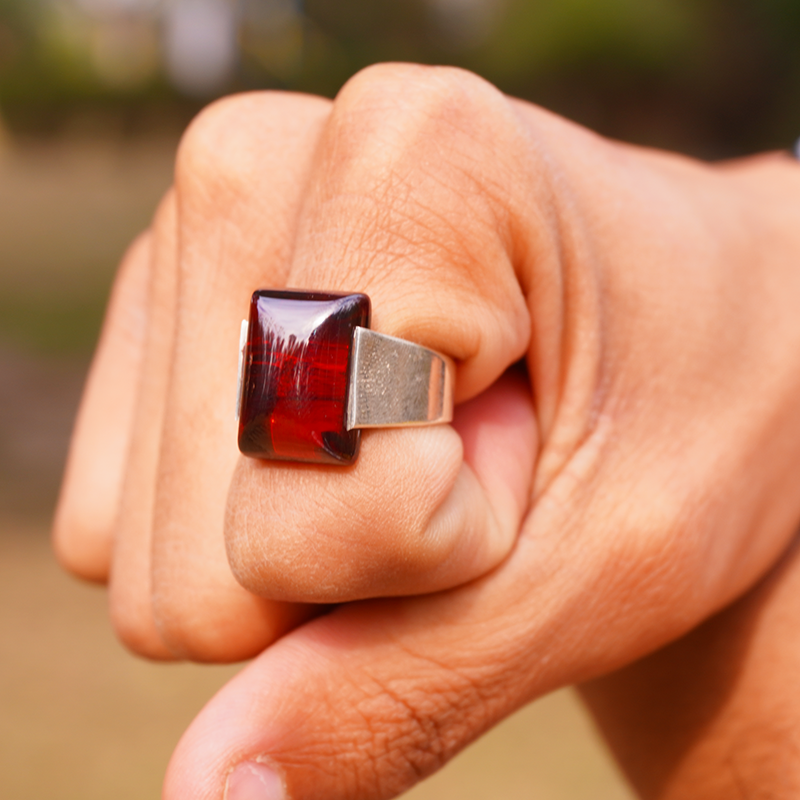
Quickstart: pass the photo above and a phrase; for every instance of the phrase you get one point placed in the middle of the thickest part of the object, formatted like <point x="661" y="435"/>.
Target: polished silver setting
<point x="796" y="150"/>
<point x="395" y="383"/>
<point x="244" y="331"/>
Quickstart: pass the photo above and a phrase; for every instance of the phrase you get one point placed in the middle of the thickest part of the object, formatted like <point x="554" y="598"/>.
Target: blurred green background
<point x="94" y="95"/>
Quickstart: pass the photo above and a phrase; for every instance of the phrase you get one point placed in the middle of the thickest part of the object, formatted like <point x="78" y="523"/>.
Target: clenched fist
<point x="622" y="462"/>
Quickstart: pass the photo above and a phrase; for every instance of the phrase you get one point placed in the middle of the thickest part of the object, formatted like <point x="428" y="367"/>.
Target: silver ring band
<point x="395" y="383"/>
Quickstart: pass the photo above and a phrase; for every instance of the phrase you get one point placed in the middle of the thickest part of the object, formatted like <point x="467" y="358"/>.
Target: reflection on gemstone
<point x="297" y="363"/>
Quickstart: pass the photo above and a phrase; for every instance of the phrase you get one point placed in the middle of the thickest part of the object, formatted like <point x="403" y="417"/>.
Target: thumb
<point x="375" y="696"/>
<point x="344" y="708"/>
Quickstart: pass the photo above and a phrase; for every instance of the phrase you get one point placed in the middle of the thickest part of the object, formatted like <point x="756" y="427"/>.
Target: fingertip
<point x="82" y="542"/>
<point x="500" y="434"/>
<point x="483" y="513"/>
<point x="213" y="631"/>
<point x="132" y="618"/>
<point x="359" y="704"/>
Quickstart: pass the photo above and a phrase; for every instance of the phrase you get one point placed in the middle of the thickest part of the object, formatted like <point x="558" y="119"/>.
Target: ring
<point x="312" y="374"/>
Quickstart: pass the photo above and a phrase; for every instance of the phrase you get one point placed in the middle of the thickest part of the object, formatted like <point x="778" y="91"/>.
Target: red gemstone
<point x="296" y="376"/>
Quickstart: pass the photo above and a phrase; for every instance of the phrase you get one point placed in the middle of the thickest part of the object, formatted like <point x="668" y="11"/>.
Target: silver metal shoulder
<point x="243" y="333"/>
<point x="396" y="383"/>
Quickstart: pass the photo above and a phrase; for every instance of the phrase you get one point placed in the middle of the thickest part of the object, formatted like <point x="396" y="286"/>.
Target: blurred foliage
<point x="48" y="72"/>
<point x="713" y="77"/>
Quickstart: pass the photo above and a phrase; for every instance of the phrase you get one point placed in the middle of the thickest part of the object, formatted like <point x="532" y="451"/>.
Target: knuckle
<point x="389" y="110"/>
<point x="219" y="154"/>
<point x="432" y="90"/>
<point x="206" y="161"/>
<point x="433" y="155"/>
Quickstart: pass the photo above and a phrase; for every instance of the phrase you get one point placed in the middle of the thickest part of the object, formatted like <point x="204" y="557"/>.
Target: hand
<point x="714" y="715"/>
<point x="637" y="480"/>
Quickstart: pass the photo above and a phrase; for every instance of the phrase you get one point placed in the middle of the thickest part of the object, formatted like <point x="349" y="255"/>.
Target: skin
<point x="621" y="467"/>
<point x="715" y="715"/>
